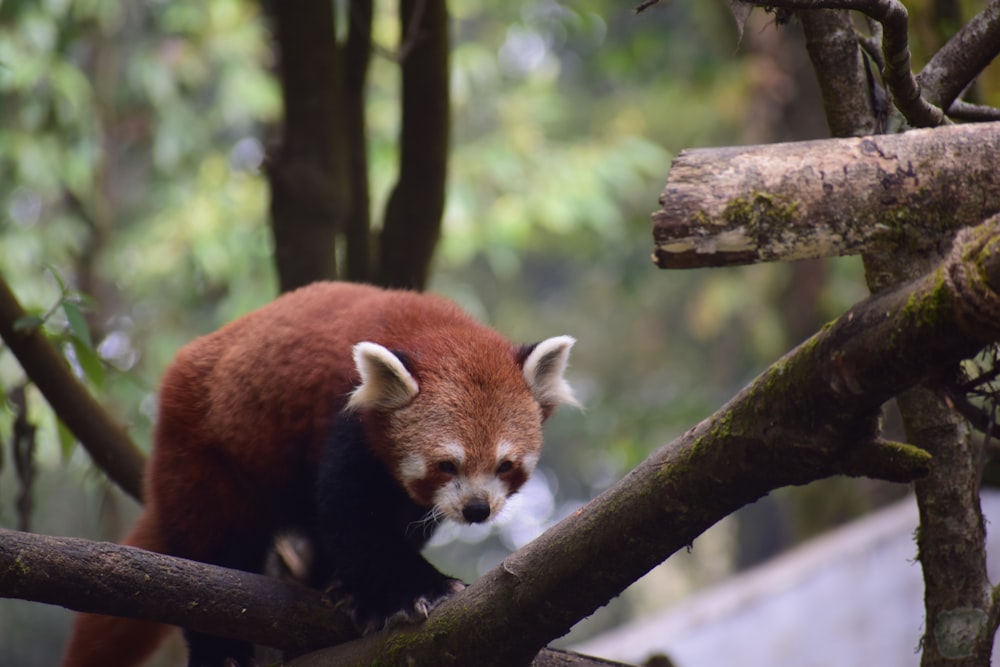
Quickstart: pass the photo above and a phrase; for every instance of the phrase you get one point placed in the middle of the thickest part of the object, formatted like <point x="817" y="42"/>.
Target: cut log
<point x="783" y="202"/>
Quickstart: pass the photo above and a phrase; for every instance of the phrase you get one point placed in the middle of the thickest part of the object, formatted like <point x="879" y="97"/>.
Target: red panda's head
<point x="460" y="424"/>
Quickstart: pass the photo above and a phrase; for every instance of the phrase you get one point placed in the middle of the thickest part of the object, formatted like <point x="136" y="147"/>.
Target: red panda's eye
<point x="447" y="467"/>
<point x="505" y="466"/>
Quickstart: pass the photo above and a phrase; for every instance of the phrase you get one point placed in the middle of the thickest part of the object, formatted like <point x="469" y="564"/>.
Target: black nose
<point x="476" y="511"/>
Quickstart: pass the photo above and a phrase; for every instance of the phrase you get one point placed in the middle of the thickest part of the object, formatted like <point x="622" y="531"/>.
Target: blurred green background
<point x="132" y="138"/>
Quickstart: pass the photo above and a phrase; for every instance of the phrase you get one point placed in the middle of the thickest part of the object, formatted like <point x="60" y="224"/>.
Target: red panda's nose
<point x="476" y="511"/>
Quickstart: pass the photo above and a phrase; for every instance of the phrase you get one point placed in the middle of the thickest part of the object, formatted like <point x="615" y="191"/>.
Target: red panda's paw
<point x="378" y="608"/>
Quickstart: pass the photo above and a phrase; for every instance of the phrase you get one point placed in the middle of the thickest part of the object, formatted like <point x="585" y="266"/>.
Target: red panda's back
<point x="261" y="391"/>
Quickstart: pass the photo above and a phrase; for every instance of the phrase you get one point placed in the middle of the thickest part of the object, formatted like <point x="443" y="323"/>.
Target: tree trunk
<point x="308" y="172"/>
<point x="416" y="205"/>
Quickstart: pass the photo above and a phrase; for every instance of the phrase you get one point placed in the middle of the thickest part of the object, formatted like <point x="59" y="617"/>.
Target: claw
<point x="368" y="617"/>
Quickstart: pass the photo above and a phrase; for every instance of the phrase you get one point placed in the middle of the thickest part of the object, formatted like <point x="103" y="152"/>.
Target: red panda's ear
<point x="385" y="382"/>
<point x="543" y="368"/>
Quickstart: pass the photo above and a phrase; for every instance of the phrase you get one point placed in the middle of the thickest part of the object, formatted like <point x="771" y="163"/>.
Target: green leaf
<point x="89" y="362"/>
<point x="77" y="323"/>
<point x="58" y="278"/>
<point x="67" y="441"/>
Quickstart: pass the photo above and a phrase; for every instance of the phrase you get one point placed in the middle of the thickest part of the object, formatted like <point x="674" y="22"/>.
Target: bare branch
<point x="962" y="58"/>
<point x="98" y="577"/>
<point x="961" y="614"/>
<point x="727" y="206"/>
<point x="104" y="578"/>
<point x="895" y="45"/>
<point x="976" y="113"/>
<point x="357" y="226"/>
<point x="841" y="72"/>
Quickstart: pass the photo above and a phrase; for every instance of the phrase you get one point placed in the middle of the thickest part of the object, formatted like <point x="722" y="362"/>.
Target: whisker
<point x="427" y="523"/>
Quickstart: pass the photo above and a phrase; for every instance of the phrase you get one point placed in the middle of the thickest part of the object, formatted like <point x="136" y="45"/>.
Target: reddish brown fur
<point x="475" y="411"/>
<point x="244" y="414"/>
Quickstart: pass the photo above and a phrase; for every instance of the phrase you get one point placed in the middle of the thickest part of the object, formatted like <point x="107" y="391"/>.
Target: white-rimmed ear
<point x="385" y="382"/>
<point x="543" y="369"/>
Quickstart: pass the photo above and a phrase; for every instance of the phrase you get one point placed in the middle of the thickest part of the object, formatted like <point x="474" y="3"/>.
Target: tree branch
<point x="961" y="614"/>
<point x="975" y="113"/>
<point x="962" y="58"/>
<point x="896" y="47"/>
<point x="727" y="206"/>
<point x="104" y="439"/>
<point x="104" y="578"/>
<point x="111" y="579"/>
<point x="832" y="44"/>
<point x="811" y="415"/>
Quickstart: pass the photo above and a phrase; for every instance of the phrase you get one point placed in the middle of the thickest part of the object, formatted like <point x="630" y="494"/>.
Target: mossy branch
<point x="809" y="416"/>
<point x="875" y="194"/>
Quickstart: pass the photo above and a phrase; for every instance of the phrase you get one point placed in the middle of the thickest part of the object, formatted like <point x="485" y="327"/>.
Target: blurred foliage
<point x="132" y="138"/>
<point x="130" y="141"/>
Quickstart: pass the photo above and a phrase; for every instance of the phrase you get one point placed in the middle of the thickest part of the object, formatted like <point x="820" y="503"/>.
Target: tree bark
<point x="104" y="578"/>
<point x="116" y="580"/>
<point x="308" y="172"/>
<point x="416" y="204"/>
<point x="962" y="58"/>
<point x="104" y="439"/>
<point x="357" y="53"/>
<point x="895" y="43"/>
<point x="810" y="415"/>
<point x="875" y="194"/>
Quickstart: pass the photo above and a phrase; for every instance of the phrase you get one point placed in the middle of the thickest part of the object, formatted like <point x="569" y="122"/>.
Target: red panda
<point x="362" y="417"/>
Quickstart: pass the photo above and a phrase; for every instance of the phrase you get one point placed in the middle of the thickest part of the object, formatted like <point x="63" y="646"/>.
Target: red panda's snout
<point x="462" y="490"/>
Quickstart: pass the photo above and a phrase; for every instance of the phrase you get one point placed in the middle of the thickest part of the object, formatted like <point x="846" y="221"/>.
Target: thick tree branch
<point x="961" y="617"/>
<point x="726" y="206"/>
<point x="99" y="577"/>
<point x="116" y="580"/>
<point x="104" y="439"/>
<point x="832" y="44"/>
<point x="961" y="613"/>
<point x="962" y="58"/>
<point x="811" y="415"/>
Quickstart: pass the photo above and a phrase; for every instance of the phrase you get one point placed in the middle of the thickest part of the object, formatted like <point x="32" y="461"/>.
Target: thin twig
<point x="976" y="113"/>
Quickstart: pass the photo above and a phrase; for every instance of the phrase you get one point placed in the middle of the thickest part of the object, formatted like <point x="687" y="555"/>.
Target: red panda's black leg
<point x="210" y="651"/>
<point x="243" y="548"/>
<point x="371" y="534"/>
